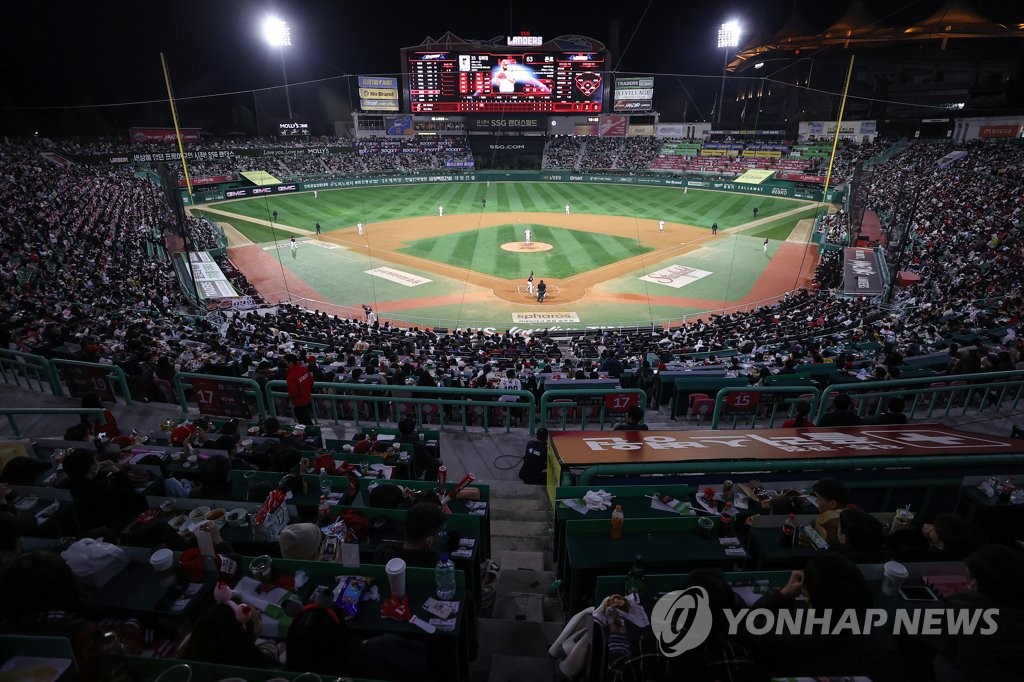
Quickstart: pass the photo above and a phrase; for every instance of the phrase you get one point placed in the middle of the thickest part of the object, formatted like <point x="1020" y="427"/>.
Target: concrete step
<point x="522" y="580"/>
<point x="506" y="543"/>
<point x="519" y="606"/>
<point x="519" y="529"/>
<point x="519" y="668"/>
<point x="519" y="509"/>
<point x="531" y="561"/>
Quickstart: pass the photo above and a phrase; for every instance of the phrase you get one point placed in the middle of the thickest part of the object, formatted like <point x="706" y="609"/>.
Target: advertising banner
<point x="378" y="93"/>
<point x="635" y="106"/>
<point x="293" y="128"/>
<point x="208" y="180"/>
<point x="801" y="177"/>
<point x="82" y="381"/>
<point x="164" y="135"/>
<point x="378" y="82"/>
<point x="1003" y="131"/>
<point x="631" y="83"/>
<point x="220" y="398"/>
<point x="378" y="104"/>
<point x="671" y="130"/>
<point x="510" y="122"/>
<point x="613" y="126"/>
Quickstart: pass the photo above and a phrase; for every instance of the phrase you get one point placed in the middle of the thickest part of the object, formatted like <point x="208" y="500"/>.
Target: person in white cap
<point x="661" y="226"/>
<point x="440" y="211"/>
<point x="529" y="236"/>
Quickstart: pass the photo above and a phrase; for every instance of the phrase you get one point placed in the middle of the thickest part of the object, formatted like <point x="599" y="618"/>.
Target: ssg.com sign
<point x="682" y="620"/>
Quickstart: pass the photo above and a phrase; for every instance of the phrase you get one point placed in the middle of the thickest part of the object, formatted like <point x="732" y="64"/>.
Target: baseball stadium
<point x="541" y="356"/>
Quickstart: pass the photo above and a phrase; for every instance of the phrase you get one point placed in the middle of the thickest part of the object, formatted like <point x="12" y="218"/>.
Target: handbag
<point x="272" y="517"/>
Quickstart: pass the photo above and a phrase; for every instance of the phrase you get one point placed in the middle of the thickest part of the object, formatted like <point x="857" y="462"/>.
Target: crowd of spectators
<point x="835" y="227"/>
<point x="77" y="280"/>
<point x="563" y="151"/>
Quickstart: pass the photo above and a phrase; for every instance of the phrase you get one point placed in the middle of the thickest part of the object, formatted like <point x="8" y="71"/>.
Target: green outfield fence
<point x="775" y="188"/>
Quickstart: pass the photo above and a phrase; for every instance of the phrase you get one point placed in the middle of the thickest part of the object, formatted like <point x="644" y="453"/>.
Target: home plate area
<point x="552" y="290"/>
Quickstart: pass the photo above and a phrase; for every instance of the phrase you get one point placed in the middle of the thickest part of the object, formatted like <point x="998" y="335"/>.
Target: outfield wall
<point x="776" y="188"/>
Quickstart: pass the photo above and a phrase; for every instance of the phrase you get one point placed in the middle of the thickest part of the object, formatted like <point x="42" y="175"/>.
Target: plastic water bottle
<point x="441" y="540"/>
<point x="618" y="518"/>
<point x="325" y="483"/>
<point x="444" y="578"/>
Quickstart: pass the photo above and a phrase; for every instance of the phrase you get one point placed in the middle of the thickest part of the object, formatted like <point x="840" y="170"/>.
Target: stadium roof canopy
<point x="450" y="41"/>
<point x="956" y="19"/>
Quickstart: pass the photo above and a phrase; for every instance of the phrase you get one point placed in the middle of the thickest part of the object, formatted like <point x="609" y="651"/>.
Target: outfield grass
<point x="780" y="228"/>
<point x="574" y="251"/>
<point x="346" y="207"/>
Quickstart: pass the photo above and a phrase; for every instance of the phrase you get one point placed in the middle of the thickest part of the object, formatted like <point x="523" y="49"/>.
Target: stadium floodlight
<point x="728" y="37"/>
<point x="729" y="34"/>
<point x="277" y="34"/>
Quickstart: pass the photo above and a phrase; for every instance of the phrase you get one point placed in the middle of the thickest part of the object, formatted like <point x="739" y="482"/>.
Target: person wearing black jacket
<point x="535" y="460"/>
<point x="103" y="494"/>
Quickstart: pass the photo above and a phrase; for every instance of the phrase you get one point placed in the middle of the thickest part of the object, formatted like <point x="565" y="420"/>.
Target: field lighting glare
<point x="277" y="32"/>
<point x="729" y="34"/>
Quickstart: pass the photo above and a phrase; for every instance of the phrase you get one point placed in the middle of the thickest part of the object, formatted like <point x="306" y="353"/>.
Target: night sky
<point x="62" y="54"/>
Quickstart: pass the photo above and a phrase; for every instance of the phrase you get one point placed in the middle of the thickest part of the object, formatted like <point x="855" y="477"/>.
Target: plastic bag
<point x="95" y="562"/>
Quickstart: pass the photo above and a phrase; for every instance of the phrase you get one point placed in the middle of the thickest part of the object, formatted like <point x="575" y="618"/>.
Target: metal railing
<point x="12" y="412"/>
<point x="564" y="405"/>
<point x="249" y="387"/>
<point x="114" y="377"/>
<point x="374" y="403"/>
<point x="16" y="366"/>
<point x="771" y="407"/>
<point x="941" y="392"/>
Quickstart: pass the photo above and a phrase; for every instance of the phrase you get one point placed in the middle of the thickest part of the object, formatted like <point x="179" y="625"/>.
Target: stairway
<point x="515" y="632"/>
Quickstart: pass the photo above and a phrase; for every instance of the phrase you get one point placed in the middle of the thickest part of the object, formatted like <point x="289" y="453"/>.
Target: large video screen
<point x="471" y="82"/>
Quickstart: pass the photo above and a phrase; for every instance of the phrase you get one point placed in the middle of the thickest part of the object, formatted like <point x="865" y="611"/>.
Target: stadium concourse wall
<point x="776" y="188"/>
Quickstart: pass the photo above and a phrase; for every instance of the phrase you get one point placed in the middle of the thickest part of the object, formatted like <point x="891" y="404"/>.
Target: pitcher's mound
<point x="523" y="247"/>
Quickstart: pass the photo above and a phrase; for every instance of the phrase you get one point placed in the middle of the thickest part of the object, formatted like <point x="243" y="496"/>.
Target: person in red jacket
<point x="300" y="389"/>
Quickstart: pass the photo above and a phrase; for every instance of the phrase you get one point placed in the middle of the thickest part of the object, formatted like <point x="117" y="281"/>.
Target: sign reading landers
<point x="861" y="274"/>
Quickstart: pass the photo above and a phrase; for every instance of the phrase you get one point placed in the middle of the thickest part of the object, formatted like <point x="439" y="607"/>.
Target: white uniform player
<point x="440" y="211"/>
<point x="661" y="226"/>
<point x="567" y="209"/>
<point x="529" y="284"/>
<point x="294" y="244"/>
<point x="529" y="236"/>
<point x="359" y="228"/>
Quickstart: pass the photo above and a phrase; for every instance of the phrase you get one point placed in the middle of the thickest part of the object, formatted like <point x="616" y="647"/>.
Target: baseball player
<point x="529" y="236"/>
<point x="315" y="194"/>
<point x="567" y="209"/>
<point x="359" y="229"/>
<point x="440" y="211"/>
<point x="295" y="245"/>
<point x="529" y="283"/>
<point x="661" y="226"/>
<point x="765" y="245"/>
<point x="318" y="229"/>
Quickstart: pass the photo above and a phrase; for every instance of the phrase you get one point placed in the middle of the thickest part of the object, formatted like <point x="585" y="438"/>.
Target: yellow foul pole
<point x="177" y="128"/>
<point x="839" y="126"/>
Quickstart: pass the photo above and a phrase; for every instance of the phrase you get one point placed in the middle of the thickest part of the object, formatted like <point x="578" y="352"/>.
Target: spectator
<point x="893" y="414"/>
<point x="994" y="573"/>
<point x="533" y="470"/>
<point x="422" y="522"/>
<point x="948" y="538"/>
<point x="221" y="636"/>
<point x="841" y="414"/>
<point x="828" y="581"/>
<point x="40" y="597"/>
<point x="301" y="541"/>
<point x="300" y="389"/>
<point x="103" y="494"/>
<point x="634" y="420"/>
<point x="832" y="496"/>
<point x="801" y="420"/>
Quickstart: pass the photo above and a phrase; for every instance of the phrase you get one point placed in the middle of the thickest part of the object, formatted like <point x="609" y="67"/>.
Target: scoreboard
<point x="476" y="81"/>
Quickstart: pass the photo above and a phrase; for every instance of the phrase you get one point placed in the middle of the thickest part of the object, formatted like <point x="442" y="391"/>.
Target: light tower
<point x="728" y="37"/>
<point x="277" y="34"/>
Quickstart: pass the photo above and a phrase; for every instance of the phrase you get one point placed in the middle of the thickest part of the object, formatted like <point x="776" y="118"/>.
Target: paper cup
<point x="893" y="575"/>
<point x="162" y="561"/>
<point x="396" y="577"/>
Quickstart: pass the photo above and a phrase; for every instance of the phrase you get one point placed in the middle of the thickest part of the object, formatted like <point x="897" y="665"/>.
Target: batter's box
<point x="552" y="289"/>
